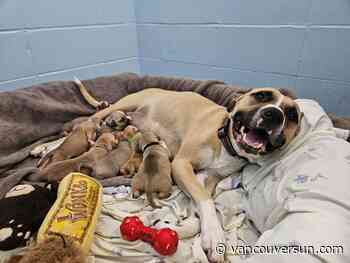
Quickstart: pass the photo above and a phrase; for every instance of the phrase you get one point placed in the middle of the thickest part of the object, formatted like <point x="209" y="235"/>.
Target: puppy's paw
<point x="138" y="185"/>
<point x="128" y="169"/>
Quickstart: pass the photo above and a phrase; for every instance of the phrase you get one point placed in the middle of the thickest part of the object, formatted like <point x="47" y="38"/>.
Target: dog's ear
<point x="288" y="93"/>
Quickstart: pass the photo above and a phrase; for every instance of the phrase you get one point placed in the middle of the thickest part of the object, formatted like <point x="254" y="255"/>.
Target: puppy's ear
<point x="288" y="93"/>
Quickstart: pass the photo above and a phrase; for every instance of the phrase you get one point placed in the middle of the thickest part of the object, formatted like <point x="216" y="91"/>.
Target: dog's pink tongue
<point x="254" y="139"/>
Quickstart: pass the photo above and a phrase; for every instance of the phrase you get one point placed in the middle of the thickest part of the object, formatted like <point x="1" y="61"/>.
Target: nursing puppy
<point x="55" y="172"/>
<point x="154" y="174"/>
<point x="132" y="135"/>
<point x="122" y="160"/>
<point x="77" y="142"/>
<point x="118" y="120"/>
<point x="203" y="136"/>
<point x="69" y="126"/>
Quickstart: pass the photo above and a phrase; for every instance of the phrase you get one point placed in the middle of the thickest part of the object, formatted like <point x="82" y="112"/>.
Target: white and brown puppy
<point x="204" y="137"/>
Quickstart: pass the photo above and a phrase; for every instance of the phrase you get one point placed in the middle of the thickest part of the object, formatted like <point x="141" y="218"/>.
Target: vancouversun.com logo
<point x="246" y="250"/>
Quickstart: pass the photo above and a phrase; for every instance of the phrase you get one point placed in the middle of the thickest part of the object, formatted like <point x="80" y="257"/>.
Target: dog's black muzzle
<point x="270" y="118"/>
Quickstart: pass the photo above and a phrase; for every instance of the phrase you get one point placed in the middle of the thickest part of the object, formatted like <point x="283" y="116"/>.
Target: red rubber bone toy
<point x="164" y="240"/>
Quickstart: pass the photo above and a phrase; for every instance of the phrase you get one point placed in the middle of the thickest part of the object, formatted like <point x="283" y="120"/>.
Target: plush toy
<point x="66" y="234"/>
<point x="164" y="240"/>
<point x="22" y="211"/>
<point x="55" y="249"/>
<point x="75" y="212"/>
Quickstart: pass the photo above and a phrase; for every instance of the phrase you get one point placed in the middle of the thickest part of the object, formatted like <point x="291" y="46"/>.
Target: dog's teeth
<point x="269" y="132"/>
<point x="259" y="122"/>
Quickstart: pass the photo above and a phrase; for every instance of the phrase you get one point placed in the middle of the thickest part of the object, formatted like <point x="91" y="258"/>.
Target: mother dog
<point x="203" y="136"/>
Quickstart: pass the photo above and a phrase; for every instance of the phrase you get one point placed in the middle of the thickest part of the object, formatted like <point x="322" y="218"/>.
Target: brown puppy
<point x="118" y="120"/>
<point x="110" y="165"/>
<point x="154" y="174"/>
<point x="76" y="143"/>
<point x="69" y="126"/>
<point x="131" y="134"/>
<point x="84" y="163"/>
<point x="203" y="136"/>
<point x="121" y="161"/>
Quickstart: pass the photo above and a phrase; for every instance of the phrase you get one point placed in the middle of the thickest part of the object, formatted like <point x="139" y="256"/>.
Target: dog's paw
<point x="102" y="105"/>
<point x="212" y="234"/>
<point x="212" y="238"/>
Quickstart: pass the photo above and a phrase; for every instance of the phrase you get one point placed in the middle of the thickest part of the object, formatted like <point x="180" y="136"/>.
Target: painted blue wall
<point x="53" y="40"/>
<point x="301" y="44"/>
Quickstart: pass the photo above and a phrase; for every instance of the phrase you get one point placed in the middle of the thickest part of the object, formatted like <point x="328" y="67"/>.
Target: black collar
<point x="223" y="134"/>
<point x="149" y="145"/>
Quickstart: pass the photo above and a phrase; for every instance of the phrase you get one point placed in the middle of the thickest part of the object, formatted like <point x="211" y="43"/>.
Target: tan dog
<point x="77" y="142"/>
<point x="154" y="174"/>
<point x="262" y="121"/>
<point x="58" y="170"/>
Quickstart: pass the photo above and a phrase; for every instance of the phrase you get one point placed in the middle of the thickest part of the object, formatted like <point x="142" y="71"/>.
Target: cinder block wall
<point x="300" y="44"/>
<point x="47" y="40"/>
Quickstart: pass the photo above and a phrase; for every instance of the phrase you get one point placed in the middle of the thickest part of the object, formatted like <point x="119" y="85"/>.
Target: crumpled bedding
<point x="178" y="213"/>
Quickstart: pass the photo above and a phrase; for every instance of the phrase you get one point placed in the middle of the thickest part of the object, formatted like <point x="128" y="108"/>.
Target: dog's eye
<point x="263" y="96"/>
<point x="292" y="114"/>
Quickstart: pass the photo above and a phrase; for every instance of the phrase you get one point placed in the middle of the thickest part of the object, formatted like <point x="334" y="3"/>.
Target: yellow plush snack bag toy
<point x="75" y="213"/>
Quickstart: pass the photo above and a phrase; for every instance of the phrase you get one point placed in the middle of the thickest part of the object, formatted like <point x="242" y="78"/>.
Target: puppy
<point x="77" y="142"/>
<point x="56" y="171"/>
<point x="132" y="135"/>
<point x="69" y="126"/>
<point x="121" y="161"/>
<point x="154" y="174"/>
<point x="203" y="136"/>
<point x="118" y="120"/>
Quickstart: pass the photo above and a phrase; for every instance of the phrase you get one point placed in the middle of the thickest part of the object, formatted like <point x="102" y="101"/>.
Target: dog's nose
<point x="272" y="117"/>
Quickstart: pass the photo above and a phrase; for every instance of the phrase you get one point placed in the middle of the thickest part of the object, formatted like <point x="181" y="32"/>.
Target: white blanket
<point x="177" y="213"/>
<point x="300" y="195"/>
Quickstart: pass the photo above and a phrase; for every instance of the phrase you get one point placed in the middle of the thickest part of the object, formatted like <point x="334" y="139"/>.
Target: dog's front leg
<point x="212" y="233"/>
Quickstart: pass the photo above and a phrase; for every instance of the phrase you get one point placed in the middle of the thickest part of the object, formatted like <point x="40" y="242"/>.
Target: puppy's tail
<point x="150" y="169"/>
<point x="88" y="97"/>
<point x="13" y="177"/>
<point x="149" y="194"/>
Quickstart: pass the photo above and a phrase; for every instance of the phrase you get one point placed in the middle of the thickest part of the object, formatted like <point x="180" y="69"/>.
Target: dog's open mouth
<point x="252" y="140"/>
